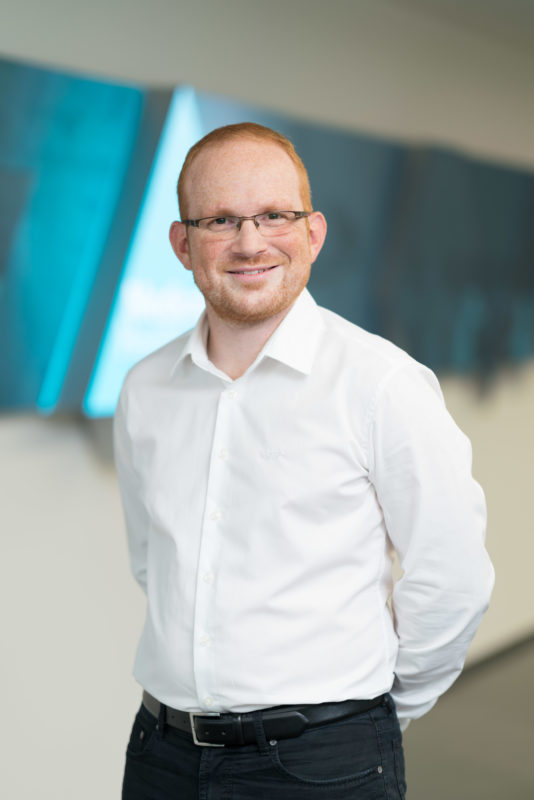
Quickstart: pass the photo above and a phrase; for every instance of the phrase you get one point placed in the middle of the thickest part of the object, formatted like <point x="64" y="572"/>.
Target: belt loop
<point x="238" y="727"/>
<point x="257" y="719"/>
<point x="160" y="727"/>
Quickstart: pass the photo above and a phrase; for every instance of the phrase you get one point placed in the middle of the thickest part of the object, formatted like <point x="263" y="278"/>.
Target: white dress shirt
<point x="261" y="515"/>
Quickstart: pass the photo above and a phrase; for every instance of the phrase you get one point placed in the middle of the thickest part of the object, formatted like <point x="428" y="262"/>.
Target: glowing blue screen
<point x="156" y="298"/>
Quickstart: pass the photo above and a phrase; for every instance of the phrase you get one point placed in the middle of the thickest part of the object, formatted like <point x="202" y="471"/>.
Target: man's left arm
<point x="135" y="515"/>
<point x="435" y="516"/>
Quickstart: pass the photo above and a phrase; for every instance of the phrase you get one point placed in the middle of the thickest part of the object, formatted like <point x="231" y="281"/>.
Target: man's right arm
<point x="135" y="515"/>
<point x="435" y="516"/>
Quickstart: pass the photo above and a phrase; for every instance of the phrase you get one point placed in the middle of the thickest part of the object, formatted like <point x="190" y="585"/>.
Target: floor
<point x="478" y="741"/>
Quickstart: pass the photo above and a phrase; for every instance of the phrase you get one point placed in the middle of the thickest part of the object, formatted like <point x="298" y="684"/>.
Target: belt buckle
<point x="192" y="715"/>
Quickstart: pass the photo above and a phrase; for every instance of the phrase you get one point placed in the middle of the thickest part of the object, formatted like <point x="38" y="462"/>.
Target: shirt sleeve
<point x="435" y="516"/>
<point x="135" y="515"/>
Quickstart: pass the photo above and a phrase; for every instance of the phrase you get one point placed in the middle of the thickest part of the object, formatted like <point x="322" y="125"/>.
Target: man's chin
<point x="251" y="312"/>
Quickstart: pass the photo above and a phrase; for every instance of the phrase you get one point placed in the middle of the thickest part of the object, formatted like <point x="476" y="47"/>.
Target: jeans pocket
<point x="340" y="754"/>
<point x="143" y="733"/>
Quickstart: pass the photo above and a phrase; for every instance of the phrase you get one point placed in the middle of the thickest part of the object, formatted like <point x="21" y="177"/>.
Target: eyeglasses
<point x="270" y="223"/>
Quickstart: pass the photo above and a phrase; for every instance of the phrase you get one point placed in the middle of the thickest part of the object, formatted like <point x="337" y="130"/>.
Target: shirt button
<point x="231" y="394"/>
<point x="208" y="701"/>
<point x="204" y="641"/>
<point x="208" y="577"/>
<point x="223" y="453"/>
<point x="215" y="515"/>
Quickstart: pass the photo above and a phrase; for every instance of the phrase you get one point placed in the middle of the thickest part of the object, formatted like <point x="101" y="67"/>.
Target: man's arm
<point x="135" y="514"/>
<point x="435" y="516"/>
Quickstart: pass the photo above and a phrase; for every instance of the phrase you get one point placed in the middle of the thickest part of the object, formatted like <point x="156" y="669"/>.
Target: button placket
<point x="210" y="545"/>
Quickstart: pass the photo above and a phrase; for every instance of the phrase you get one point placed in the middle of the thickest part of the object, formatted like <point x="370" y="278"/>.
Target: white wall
<point x="73" y="613"/>
<point x="501" y="428"/>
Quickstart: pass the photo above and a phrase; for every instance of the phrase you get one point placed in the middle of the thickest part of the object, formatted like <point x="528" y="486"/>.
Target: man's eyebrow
<point x="222" y="212"/>
<point x="266" y="209"/>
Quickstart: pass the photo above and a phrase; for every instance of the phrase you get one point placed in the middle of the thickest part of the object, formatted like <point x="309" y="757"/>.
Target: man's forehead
<point x="238" y="160"/>
<point x="233" y="152"/>
<point x="241" y="176"/>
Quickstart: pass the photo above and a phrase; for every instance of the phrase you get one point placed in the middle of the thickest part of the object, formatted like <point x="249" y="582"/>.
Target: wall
<point x="371" y="65"/>
<point x="500" y="426"/>
<point x="73" y="613"/>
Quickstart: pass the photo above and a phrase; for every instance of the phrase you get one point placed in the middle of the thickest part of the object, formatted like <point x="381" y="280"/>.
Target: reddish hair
<point x="244" y="130"/>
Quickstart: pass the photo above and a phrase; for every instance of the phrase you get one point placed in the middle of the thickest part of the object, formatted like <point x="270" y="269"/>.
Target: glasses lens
<point x="275" y="220"/>
<point x="221" y="226"/>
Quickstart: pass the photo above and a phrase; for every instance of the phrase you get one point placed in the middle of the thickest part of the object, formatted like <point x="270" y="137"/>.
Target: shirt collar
<point x="195" y="346"/>
<point x="294" y="342"/>
<point x="296" y="339"/>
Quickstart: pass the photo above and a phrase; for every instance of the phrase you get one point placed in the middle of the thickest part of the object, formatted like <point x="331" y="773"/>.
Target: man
<point x="269" y="461"/>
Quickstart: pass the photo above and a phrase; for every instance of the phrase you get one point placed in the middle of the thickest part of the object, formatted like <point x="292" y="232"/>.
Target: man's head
<point x="254" y="273"/>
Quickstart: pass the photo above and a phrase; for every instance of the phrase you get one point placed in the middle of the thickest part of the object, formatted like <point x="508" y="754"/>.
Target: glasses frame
<point x="194" y="223"/>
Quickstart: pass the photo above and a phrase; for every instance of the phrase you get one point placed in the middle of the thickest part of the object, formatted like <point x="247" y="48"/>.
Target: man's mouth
<point x="251" y="271"/>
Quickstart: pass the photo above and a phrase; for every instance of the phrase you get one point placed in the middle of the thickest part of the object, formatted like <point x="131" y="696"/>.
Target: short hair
<point x="244" y="130"/>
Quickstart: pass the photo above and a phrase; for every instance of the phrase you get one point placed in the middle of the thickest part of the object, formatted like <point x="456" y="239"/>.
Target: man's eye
<point x="273" y="219"/>
<point x="218" y="223"/>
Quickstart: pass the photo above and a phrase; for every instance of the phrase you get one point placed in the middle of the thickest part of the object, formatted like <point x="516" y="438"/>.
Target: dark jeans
<point x="360" y="758"/>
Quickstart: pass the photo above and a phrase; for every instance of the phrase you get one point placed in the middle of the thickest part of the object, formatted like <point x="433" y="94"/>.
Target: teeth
<point x="253" y="271"/>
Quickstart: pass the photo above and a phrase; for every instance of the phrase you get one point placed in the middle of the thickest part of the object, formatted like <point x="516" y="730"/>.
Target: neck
<point x="233" y="346"/>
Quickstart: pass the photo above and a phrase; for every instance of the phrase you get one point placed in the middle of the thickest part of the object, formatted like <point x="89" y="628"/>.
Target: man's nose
<point x="248" y="238"/>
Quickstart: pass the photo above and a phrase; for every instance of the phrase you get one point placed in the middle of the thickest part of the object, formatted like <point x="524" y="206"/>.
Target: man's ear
<point x="180" y="243"/>
<point x="317" y="231"/>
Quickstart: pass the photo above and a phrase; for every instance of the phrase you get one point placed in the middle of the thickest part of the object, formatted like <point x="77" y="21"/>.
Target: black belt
<point x="280" y="722"/>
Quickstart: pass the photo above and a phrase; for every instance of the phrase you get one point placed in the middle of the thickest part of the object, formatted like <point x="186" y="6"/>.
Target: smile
<point x="251" y="271"/>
